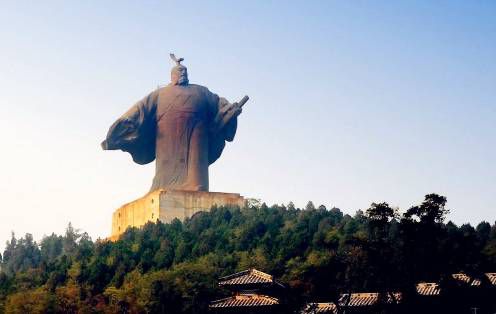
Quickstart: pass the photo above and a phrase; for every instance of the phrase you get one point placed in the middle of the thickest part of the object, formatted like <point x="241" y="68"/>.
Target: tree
<point x="310" y="206"/>
<point x="379" y="248"/>
<point x="70" y="240"/>
<point x="432" y="210"/>
<point x="51" y="247"/>
<point x="20" y="254"/>
<point x="423" y="237"/>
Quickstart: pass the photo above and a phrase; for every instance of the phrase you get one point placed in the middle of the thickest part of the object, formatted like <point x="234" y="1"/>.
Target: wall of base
<point x="166" y="205"/>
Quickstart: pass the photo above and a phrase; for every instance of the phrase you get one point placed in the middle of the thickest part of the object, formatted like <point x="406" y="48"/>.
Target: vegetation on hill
<point x="172" y="268"/>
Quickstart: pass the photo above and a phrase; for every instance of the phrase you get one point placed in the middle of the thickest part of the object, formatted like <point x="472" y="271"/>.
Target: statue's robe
<point x="178" y="125"/>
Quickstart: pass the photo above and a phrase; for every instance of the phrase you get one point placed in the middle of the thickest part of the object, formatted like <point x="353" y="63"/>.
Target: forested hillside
<point x="172" y="268"/>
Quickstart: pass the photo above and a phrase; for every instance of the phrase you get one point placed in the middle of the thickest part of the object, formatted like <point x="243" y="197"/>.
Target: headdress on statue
<point x="179" y="73"/>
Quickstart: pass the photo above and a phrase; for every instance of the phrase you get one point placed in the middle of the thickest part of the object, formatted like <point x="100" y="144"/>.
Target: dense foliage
<point x="172" y="268"/>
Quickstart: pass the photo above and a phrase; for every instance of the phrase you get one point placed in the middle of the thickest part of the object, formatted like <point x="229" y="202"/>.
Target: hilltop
<point x="315" y="252"/>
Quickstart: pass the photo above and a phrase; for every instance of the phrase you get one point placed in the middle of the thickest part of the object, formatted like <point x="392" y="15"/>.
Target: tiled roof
<point x="369" y="299"/>
<point x="428" y="288"/>
<point x="358" y="299"/>
<point x="466" y="279"/>
<point x="320" y="308"/>
<point x="492" y="278"/>
<point x="245" y="300"/>
<point x="247" y="277"/>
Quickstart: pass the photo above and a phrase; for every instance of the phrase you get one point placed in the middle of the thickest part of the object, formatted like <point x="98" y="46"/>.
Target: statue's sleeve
<point x="135" y="131"/>
<point x="219" y="132"/>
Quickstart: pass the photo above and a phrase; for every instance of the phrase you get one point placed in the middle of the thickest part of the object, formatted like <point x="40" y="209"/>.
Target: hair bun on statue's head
<point x="178" y="61"/>
<point x="179" y="73"/>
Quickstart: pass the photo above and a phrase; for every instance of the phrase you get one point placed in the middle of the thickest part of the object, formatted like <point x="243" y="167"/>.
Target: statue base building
<point x="165" y="205"/>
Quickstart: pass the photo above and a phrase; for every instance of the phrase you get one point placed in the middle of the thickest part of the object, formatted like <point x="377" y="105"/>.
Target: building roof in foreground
<point x="492" y="278"/>
<point x="320" y="308"/>
<point x="245" y="300"/>
<point x="368" y="298"/>
<point x="428" y="288"/>
<point x="464" y="278"/>
<point x="248" y="277"/>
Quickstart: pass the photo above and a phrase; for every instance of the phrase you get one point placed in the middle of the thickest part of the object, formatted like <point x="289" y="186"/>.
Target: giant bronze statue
<point x="184" y="128"/>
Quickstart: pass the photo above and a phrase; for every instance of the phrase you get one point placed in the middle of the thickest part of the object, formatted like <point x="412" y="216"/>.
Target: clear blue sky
<point x="352" y="102"/>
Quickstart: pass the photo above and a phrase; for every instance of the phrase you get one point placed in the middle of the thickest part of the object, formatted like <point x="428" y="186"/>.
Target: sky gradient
<point x="351" y="102"/>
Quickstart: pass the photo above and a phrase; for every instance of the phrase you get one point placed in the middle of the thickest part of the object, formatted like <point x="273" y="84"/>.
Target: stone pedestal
<point x="166" y="205"/>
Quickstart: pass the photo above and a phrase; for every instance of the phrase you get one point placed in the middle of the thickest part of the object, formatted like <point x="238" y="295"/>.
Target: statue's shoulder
<point x="203" y="90"/>
<point x="162" y="88"/>
<point x="199" y="87"/>
<point x="190" y="88"/>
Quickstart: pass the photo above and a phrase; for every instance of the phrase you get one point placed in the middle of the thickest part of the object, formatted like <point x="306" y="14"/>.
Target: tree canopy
<point x="172" y="268"/>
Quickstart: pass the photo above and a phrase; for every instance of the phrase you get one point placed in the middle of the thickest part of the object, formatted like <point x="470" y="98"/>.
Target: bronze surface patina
<point x="182" y="126"/>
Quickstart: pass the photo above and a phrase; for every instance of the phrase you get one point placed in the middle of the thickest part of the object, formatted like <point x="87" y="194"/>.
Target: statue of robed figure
<point x="183" y="126"/>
